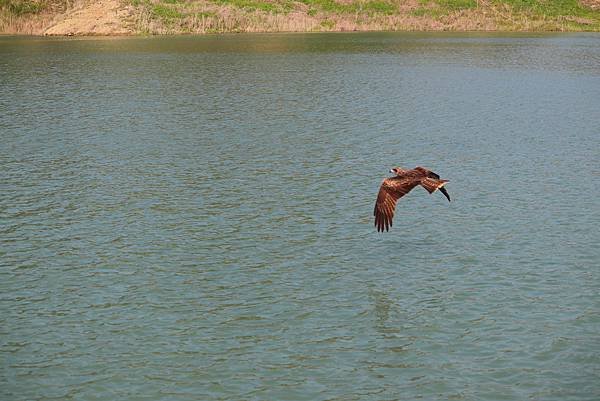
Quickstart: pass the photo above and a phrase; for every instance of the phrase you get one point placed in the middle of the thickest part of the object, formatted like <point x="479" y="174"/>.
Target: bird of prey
<point x="394" y="188"/>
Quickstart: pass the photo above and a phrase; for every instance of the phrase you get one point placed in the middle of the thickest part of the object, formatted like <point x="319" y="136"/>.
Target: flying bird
<point x="394" y="188"/>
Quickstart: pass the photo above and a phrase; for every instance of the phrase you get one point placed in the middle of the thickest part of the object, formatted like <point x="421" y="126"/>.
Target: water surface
<point x="191" y="218"/>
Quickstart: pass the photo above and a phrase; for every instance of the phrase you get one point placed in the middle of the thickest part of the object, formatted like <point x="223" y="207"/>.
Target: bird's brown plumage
<point x="394" y="188"/>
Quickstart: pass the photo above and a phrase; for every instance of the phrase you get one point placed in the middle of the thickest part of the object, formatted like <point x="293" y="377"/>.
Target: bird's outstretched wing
<point x="390" y="191"/>
<point x="427" y="173"/>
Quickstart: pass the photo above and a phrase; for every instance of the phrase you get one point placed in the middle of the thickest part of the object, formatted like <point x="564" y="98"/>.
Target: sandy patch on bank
<point x="101" y="17"/>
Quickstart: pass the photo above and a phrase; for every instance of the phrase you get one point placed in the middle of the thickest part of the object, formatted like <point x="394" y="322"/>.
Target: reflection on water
<point x="191" y="217"/>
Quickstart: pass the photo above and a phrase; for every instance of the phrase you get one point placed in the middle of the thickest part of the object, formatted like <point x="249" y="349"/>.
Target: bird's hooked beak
<point x="392" y="170"/>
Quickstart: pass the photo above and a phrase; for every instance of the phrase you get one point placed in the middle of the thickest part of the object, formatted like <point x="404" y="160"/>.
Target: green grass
<point x="165" y="12"/>
<point x="547" y="8"/>
<point x="137" y="3"/>
<point x="206" y="14"/>
<point x="329" y="6"/>
<point x="252" y="5"/>
<point x="551" y="8"/>
<point x="22" y="7"/>
<point x="328" y="24"/>
<point x="429" y="12"/>
<point x="555" y="12"/>
<point x="454" y="5"/>
<point x="558" y="10"/>
<point x="379" y="7"/>
<point x="369" y="7"/>
<point x="326" y="5"/>
<point x="442" y="7"/>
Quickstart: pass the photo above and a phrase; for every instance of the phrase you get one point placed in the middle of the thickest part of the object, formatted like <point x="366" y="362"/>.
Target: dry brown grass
<point x="203" y="16"/>
<point x="207" y="17"/>
<point x="25" y="24"/>
<point x="33" y="23"/>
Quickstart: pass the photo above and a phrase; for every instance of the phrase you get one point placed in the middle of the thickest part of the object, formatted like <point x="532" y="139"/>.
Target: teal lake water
<point x="190" y="218"/>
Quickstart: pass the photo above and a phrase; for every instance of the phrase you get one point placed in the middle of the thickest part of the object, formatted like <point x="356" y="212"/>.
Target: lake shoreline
<point x="208" y="34"/>
<point x="190" y="34"/>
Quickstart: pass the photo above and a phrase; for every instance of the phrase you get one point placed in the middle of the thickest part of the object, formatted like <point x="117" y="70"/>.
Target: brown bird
<point x="394" y="188"/>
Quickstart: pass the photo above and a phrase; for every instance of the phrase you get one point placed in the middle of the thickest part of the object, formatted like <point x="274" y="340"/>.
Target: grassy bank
<point x="30" y="16"/>
<point x="211" y="16"/>
<point x="174" y="16"/>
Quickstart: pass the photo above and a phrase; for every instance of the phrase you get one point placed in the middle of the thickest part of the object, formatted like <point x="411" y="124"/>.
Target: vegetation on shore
<point x="174" y="16"/>
<point x="211" y="16"/>
<point x="29" y="16"/>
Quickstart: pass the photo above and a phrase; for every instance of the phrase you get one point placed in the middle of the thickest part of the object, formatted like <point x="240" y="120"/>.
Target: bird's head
<point x="397" y="170"/>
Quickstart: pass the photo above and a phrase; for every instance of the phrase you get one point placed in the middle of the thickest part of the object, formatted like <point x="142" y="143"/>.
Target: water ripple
<point x="190" y="218"/>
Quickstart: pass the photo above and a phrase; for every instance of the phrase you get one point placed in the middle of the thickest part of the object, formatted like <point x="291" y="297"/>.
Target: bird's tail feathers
<point x="432" y="184"/>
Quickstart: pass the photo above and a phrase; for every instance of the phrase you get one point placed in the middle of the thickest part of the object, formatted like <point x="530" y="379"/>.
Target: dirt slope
<point x="100" y="17"/>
